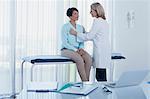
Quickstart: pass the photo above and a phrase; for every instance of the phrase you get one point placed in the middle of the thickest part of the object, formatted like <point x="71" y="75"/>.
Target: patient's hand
<point x="81" y="51"/>
<point x="78" y="51"/>
<point x="73" y="32"/>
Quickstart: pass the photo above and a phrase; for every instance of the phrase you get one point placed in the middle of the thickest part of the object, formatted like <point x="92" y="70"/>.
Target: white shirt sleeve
<point x="79" y="39"/>
<point x="92" y="34"/>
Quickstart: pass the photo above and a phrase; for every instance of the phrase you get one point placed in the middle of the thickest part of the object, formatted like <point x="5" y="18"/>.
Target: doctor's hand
<point x="73" y="32"/>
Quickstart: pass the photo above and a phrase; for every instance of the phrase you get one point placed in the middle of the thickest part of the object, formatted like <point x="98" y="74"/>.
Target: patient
<point x="73" y="48"/>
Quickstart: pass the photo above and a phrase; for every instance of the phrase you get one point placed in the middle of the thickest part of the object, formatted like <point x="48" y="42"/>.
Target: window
<point x="38" y="24"/>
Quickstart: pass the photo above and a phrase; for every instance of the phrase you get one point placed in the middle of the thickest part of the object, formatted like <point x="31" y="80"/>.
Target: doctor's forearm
<point x="85" y="37"/>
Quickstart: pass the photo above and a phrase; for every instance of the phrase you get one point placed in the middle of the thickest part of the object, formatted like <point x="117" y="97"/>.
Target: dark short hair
<point x="70" y="11"/>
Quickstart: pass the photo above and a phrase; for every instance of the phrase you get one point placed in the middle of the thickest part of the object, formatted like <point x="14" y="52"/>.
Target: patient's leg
<point x="88" y="63"/>
<point x="78" y="60"/>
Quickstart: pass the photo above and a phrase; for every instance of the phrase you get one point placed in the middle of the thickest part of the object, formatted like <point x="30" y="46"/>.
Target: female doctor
<point x="99" y="34"/>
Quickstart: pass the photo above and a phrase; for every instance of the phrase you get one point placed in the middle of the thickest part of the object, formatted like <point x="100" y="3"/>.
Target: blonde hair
<point x="99" y="10"/>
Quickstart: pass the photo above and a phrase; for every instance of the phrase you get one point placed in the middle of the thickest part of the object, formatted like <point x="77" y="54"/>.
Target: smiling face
<point x="75" y="16"/>
<point x="93" y="13"/>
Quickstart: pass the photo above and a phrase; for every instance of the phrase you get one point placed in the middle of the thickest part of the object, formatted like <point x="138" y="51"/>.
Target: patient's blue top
<point x="70" y="41"/>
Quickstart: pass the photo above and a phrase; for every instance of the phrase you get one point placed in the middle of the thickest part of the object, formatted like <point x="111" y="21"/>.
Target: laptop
<point x="129" y="78"/>
<point x="134" y="92"/>
<point x="42" y="86"/>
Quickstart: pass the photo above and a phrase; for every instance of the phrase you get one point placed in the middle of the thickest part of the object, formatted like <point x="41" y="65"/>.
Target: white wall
<point x="131" y="42"/>
<point x="5" y="79"/>
<point x="149" y="32"/>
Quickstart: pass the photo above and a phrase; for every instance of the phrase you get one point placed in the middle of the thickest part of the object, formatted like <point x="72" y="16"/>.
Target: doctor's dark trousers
<point x="101" y="74"/>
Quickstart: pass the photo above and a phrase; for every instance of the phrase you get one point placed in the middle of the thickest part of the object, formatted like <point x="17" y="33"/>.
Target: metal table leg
<point x="32" y="72"/>
<point x="22" y="75"/>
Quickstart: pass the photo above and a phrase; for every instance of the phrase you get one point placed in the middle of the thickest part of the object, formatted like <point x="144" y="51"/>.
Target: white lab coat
<point x="99" y="34"/>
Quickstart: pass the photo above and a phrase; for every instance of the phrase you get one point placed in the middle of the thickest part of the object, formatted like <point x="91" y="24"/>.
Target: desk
<point x="55" y="59"/>
<point x="134" y="92"/>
